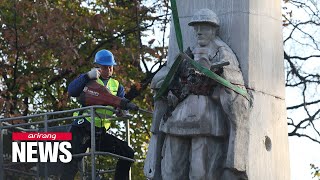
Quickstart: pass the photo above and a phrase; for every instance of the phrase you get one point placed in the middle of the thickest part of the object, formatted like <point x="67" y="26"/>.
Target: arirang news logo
<point x="41" y="147"/>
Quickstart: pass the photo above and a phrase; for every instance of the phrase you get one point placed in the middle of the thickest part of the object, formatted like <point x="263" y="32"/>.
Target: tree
<point x="315" y="171"/>
<point x="45" y="44"/>
<point x="301" y="41"/>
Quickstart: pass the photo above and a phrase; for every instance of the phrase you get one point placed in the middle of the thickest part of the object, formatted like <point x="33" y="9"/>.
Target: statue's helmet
<point x="204" y="16"/>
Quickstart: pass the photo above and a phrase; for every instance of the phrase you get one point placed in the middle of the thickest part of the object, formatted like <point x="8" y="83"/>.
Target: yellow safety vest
<point x="101" y="115"/>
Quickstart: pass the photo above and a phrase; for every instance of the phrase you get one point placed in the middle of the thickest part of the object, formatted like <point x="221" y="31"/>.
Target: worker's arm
<point x="77" y="85"/>
<point x="121" y="92"/>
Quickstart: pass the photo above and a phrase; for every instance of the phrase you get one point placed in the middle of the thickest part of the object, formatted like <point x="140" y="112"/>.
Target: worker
<point x="102" y="74"/>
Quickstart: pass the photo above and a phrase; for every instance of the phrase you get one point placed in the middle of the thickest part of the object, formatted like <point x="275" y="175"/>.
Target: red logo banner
<point x="41" y="136"/>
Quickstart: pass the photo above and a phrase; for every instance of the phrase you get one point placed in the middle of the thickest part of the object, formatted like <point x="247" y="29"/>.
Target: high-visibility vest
<point x="101" y="115"/>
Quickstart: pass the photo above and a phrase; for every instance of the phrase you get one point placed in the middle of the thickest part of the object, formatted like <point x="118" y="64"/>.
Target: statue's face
<point x="204" y="33"/>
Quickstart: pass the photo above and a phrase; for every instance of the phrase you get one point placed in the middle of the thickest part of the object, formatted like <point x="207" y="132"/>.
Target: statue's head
<point x="206" y="24"/>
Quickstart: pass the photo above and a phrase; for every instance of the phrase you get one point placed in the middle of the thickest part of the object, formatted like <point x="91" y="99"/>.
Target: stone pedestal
<point x="253" y="30"/>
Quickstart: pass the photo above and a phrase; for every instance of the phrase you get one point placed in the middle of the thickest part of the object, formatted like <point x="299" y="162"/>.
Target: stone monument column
<point x="253" y="30"/>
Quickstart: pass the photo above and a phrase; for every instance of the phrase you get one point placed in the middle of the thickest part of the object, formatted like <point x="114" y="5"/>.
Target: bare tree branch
<point x="302" y="42"/>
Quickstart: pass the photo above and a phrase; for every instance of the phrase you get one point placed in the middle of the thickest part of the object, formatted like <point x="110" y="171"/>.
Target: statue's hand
<point x="172" y="99"/>
<point x="204" y="62"/>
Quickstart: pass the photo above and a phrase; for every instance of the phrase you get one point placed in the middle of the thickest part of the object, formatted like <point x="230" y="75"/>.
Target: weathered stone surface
<point x="152" y="165"/>
<point x="196" y="115"/>
<point x="253" y="31"/>
<point x="268" y="143"/>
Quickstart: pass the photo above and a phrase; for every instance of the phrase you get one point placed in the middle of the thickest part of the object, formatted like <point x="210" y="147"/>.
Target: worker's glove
<point x="132" y="106"/>
<point x="93" y="74"/>
<point x="127" y="105"/>
<point x="121" y="113"/>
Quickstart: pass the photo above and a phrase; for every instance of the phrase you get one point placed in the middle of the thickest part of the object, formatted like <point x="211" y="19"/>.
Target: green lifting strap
<point x="169" y="77"/>
<point x="177" y="24"/>
<point x="198" y="66"/>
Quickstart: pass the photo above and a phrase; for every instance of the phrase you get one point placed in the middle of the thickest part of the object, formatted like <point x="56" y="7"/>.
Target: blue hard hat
<point x="105" y="58"/>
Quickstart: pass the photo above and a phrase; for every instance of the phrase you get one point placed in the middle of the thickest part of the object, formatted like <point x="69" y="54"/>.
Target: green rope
<point x="177" y="24"/>
<point x="169" y="77"/>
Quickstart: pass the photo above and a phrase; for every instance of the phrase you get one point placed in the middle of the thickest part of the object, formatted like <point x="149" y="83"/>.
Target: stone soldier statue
<point x="201" y="125"/>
